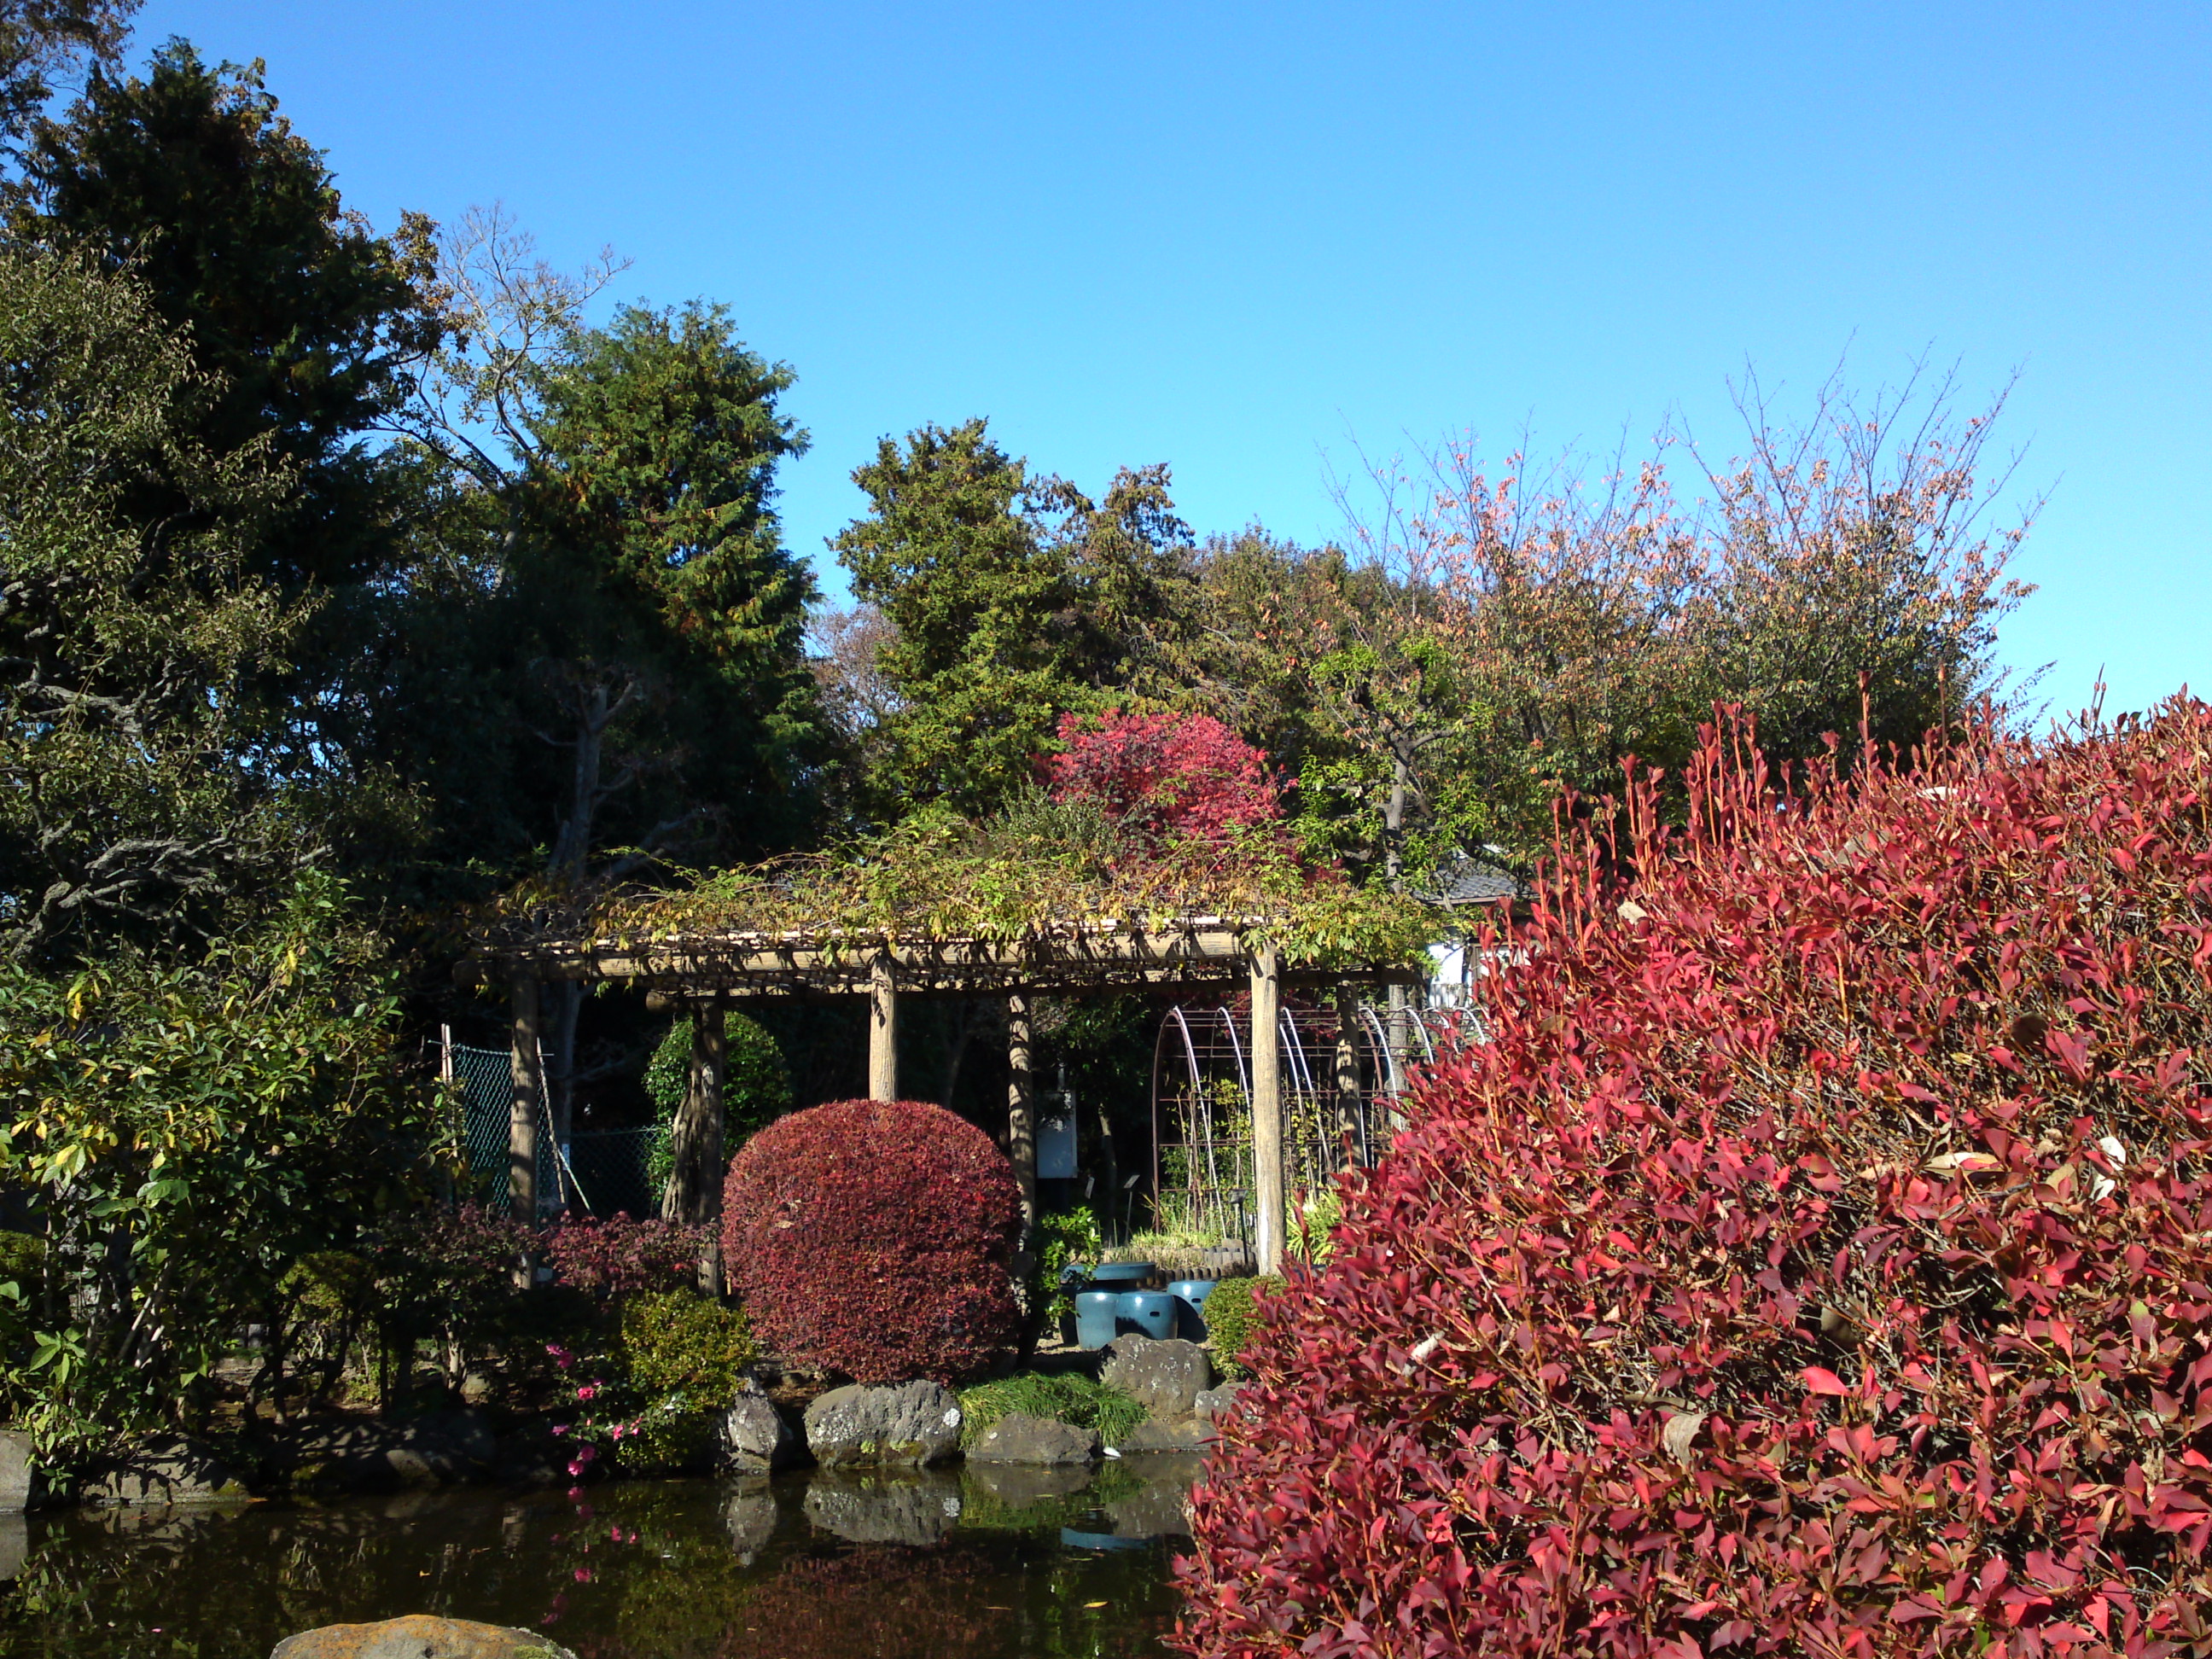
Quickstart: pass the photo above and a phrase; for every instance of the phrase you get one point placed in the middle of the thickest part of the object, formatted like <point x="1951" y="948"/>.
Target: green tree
<point x="42" y="42"/>
<point x="148" y="789"/>
<point x="308" y="325"/>
<point x="187" y="1133"/>
<point x="1007" y="598"/>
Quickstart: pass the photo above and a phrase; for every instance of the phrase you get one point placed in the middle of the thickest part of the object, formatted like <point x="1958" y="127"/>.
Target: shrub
<point x="873" y="1239"/>
<point x="1065" y="1397"/>
<point x="685" y="1348"/>
<point x="1813" y="1261"/>
<point x="1230" y="1309"/>
<point x="1062" y="1237"/>
<point x="447" y="1276"/>
<point x="619" y="1255"/>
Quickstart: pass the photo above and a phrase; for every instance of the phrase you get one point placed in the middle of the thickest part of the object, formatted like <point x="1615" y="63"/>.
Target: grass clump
<point x="1067" y="1397"/>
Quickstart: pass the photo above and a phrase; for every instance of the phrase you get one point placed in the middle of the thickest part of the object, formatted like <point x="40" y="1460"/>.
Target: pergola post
<point x="527" y="1072"/>
<point x="1347" y="1073"/>
<point x="883" y="1029"/>
<point x="694" y="1195"/>
<point x="1267" y="1107"/>
<point x="1021" y="1130"/>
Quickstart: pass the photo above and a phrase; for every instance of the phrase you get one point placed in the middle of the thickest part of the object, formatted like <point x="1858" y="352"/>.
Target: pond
<point x="981" y="1561"/>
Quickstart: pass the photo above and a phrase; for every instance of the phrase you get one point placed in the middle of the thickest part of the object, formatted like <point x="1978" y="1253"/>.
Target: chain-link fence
<point x="605" y="1170"/>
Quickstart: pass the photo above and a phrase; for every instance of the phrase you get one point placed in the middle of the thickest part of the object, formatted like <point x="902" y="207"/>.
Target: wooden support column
<point x="525" y="1070"/>
<point x="1347" y="1073"/>
<point x="1021" y="1137"/>
<point x="883" y="1029"/>
<point x="694" y="1186"/>
<point x="1268" y="1108"/>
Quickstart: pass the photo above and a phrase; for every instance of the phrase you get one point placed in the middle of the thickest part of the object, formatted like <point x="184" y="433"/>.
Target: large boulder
<point x="163" y="1470"/>
<point x="1165" y="1378"/>
<point x="910" y="1507"/>
<point x="1017" y="1437"/>
<point x="419" y="1636"/>
<point x="1171" y="1435"/>
<point x="905" y="1423"/>
<point x="755" y="1437"/>
<point x="1214" y="1404"/>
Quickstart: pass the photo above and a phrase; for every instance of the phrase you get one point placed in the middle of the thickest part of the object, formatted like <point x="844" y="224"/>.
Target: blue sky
<point x="1237" y="238"/>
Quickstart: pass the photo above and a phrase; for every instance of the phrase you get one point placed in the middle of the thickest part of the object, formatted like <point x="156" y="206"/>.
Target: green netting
<point x="603" y="1172"/>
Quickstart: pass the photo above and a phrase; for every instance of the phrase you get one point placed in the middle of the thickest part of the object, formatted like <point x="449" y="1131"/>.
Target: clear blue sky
<point x="1233" y="237"/>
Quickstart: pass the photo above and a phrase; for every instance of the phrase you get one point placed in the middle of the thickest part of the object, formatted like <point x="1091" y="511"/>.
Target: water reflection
<point x="832" y="1564"/>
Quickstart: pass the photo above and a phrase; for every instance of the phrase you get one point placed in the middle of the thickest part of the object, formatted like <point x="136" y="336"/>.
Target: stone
<point x="906" y="1423"/>
<point x="1181" y="1434"/>
<point x="163" y="1470"/>
<point x="361" y="1455"/>
<point x="910" y="1507"/>
<point x="420" y="1636"/>
<point x="1017" y="1437"/>
<point x="1214" y="1404"/>
<point x="755" y="1438"/>
<point x="14" y="1471"/>
<point x="1165" y="1378"/>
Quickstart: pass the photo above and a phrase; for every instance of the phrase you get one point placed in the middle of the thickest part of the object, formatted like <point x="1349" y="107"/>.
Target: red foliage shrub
<point x="1164" y="774"/>
<point x="1815" y="1258"/>
<point x="874" y="1239"/>
<point x="617" y="1256"/>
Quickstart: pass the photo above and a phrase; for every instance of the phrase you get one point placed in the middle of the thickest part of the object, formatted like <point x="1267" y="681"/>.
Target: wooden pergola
<point x="703" y="971"/>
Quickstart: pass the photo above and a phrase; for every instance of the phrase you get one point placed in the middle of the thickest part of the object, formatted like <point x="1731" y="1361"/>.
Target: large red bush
<point x="1164" y="774"/>
<point x="874" y="1239"/>
<point x="1815" y="1259"/>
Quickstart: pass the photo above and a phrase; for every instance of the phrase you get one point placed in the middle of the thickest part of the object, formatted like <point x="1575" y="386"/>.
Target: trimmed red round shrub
<point x="1815" y="1259"/>
<point x="874" y="1239"/>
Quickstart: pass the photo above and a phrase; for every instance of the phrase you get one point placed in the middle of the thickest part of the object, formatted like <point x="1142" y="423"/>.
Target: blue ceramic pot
<point x="1121" y="1274"/>
<point x="1190" y="1295"/>
<point x="1095" y="1312"/>
<point x="1152" y="1312"/>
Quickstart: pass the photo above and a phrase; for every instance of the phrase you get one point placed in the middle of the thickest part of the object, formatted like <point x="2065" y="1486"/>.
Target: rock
<point x="1166" y="1377"/>
<point x="911" y="1508"/>
<point x="1214" y="1404"/>
<point x="1017" y="1437"/>
<point x="419" y="1636"/>
<point x="1183" y="1434"/>
<point x="14" y="1471"/>
<point x="908" y="1423"/>
<point x="165" y="1470"/>
<point x="15" y="1544"/>
<point x="364" y="1456"/>
<point x="755" y="1438"/>
<point x="1019" y="1485"/>
<point x="750" y="1516"/>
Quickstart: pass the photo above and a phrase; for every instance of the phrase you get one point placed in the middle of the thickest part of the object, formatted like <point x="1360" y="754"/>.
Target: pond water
<point x="981" y="1562"/>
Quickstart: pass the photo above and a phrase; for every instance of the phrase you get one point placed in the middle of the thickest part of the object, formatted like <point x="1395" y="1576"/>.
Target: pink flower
<point x="586" y="1391"/>
<point x="583" y="1574"/>
<point x="559" y="1428"/>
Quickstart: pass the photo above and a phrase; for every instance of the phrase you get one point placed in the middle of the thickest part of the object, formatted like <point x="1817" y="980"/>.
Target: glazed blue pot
<point x="1095" y="1312"/>
<point x="1190" y="1295"/>
<point x="1124" y="1276"/>
<point x="1152" y="1312"/>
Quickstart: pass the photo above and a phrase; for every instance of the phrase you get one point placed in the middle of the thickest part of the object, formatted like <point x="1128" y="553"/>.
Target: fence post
<point x="529" y="1084"/>
<point x="1267" y="1106"/>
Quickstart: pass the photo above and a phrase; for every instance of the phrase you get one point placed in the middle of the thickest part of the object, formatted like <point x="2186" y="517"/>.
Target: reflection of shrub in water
<point x="879" y="1602"/>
